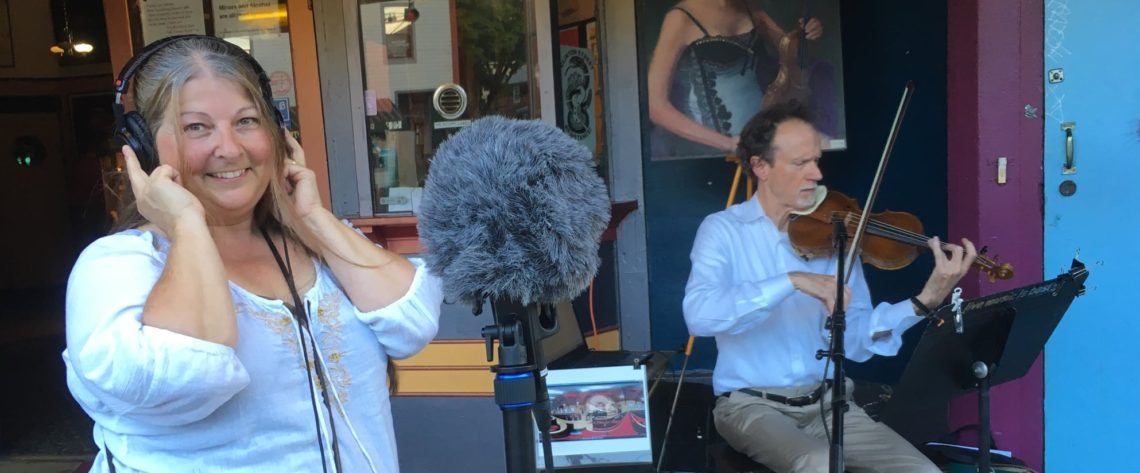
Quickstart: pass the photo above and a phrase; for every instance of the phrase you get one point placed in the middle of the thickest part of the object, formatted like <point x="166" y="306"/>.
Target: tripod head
<point x="520" y="377"/>
<point x="519" y="329"/>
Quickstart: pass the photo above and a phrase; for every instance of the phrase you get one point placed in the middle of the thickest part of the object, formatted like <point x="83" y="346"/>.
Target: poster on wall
<point x="578" y="95"/>
<point x="162" y="18"/>
<point x="706" y="70"/>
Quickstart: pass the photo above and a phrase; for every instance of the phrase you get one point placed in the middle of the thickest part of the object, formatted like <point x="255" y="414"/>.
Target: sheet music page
<point x="1004" y="453"/>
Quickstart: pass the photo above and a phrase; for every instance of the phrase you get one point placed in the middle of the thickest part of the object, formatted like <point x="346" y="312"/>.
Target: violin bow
<point x="908" y="92"/>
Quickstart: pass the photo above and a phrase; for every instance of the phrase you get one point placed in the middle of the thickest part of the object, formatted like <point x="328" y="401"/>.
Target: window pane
<point x="429" y="69"/>
<point x="260" y="28"/>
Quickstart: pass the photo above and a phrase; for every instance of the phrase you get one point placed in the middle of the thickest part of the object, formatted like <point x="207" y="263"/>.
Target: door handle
<point x="1070" y="167"/>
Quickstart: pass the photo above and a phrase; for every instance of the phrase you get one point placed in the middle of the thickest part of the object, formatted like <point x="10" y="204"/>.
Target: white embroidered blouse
<point x="163" y="401"/>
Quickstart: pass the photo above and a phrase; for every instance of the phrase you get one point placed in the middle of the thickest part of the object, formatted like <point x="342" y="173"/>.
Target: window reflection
<point x="398" y="32"/>
<point x="260" y="28"/>
<point x="475" y="49"/>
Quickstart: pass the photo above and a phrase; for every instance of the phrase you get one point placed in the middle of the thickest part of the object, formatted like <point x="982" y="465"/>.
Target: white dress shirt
<point x="767" y="332"/>
<point x="168" y="402"/>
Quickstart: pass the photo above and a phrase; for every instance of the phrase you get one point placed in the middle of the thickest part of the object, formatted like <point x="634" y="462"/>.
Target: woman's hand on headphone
<point x="160" y="196"/>
<point x="300" y="181"/>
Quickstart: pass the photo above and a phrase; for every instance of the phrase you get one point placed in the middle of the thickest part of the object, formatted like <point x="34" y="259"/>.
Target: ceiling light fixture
<point x="70" y="46"/>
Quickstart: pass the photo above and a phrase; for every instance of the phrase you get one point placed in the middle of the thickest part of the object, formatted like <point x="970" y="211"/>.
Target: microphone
<point x="512" y="209"/>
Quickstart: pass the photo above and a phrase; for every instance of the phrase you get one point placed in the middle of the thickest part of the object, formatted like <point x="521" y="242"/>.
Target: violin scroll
<point x="993" y="269"/>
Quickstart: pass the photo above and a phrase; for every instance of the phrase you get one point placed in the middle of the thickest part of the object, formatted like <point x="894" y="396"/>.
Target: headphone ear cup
<point x="137" y="136"/>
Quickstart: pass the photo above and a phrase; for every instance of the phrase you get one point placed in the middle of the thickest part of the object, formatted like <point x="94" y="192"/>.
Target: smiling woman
<point x="220" y="147"/>
<point x="230" y="304"/>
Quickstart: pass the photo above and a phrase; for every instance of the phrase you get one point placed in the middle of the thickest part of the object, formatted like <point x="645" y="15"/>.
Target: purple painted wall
<point x="994" y="69"/>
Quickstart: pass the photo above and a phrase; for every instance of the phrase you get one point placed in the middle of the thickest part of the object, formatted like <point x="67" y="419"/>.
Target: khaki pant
<point x="791" y="439"/>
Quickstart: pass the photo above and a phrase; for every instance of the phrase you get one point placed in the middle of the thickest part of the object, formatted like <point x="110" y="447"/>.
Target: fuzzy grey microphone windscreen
<point x="515" y="209"/>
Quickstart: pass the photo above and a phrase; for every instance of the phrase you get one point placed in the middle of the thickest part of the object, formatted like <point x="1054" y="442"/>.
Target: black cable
<point x="313" y="401"/>
<point x="302" y="319"/>
<point x="319" y="366"/>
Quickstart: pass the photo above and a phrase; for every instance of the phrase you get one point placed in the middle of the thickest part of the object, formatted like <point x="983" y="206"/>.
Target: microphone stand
<point x="845" y="262"/>
<point x="520" y="379"/>
<point x="837" y="323"/>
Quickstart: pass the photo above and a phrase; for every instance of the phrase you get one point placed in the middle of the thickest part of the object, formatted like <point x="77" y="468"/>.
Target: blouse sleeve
<point x="405" y="326"/>
<point x="123" y="368"/>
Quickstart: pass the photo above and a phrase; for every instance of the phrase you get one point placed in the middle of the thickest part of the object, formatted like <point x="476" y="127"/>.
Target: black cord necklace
<point x="301" y="315"/>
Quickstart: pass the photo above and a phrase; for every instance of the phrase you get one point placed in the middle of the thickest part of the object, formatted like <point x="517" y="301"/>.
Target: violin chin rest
<point x="820" y="194"/>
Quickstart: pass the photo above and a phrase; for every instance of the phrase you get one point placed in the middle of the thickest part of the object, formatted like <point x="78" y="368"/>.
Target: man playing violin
<point x="767" y="308"/>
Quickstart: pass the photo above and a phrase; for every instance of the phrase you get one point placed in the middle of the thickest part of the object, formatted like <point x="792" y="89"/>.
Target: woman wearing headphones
<point x="231" y="322"/>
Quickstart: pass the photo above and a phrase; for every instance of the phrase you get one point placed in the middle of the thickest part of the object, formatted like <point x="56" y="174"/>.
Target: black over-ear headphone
<point x="131" y="127"/>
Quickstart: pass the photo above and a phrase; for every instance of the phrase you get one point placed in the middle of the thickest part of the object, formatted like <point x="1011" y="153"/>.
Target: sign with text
<point x="282" y="106"/>
<point x="162" y="18"/>
<point x="247" y="17"/>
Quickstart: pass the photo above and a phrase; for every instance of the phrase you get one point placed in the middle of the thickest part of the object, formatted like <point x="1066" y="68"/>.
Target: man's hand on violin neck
<point x="948" y="270"/>
<point x="821" y="287"/>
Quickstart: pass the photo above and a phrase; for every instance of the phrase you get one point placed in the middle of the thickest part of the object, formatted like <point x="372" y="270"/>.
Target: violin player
<point x="766" y="306"/>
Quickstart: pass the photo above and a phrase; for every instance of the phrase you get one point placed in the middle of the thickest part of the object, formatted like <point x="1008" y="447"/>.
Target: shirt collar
<point x="748" y="211"/>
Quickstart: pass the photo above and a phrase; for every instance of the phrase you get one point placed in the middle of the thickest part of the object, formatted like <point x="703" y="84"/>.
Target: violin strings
<point x="906" y="236"/>
<point x="915" y="238"/>
<point x="888" y="230"/>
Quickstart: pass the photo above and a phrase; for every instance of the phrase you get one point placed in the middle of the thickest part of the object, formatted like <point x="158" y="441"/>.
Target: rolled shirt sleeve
<point x="405" y="326"/>
<point x="118" y="367"/>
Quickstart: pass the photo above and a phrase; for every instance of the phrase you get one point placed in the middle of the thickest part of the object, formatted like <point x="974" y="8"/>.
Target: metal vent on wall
<point x="450" y="101"/>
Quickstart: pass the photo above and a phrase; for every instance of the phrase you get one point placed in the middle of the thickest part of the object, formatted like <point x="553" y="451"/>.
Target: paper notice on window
<point x="162" y="18"/>
<point x="248" y="17"/>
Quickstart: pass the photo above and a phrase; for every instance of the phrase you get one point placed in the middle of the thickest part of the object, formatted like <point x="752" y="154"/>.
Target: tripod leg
<point x="676" y="396"/>
<point x="736" y="184"/>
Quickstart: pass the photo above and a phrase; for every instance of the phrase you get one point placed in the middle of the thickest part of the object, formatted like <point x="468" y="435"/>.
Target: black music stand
<point x="1001" y="336"/>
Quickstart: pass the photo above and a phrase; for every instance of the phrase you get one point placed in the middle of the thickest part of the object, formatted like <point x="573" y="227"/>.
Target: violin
<point x="892" y="239"/>
<point x="790" y="83"/>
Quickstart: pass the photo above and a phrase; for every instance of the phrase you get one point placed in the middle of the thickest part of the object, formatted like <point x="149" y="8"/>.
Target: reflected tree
<point x="492" y="40"/>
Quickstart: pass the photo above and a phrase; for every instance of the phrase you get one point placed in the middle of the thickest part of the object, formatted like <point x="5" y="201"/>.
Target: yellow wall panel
<point x="460" y="367"/>
<point x="451" y="353"/>
<point x="446" y="382"/>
